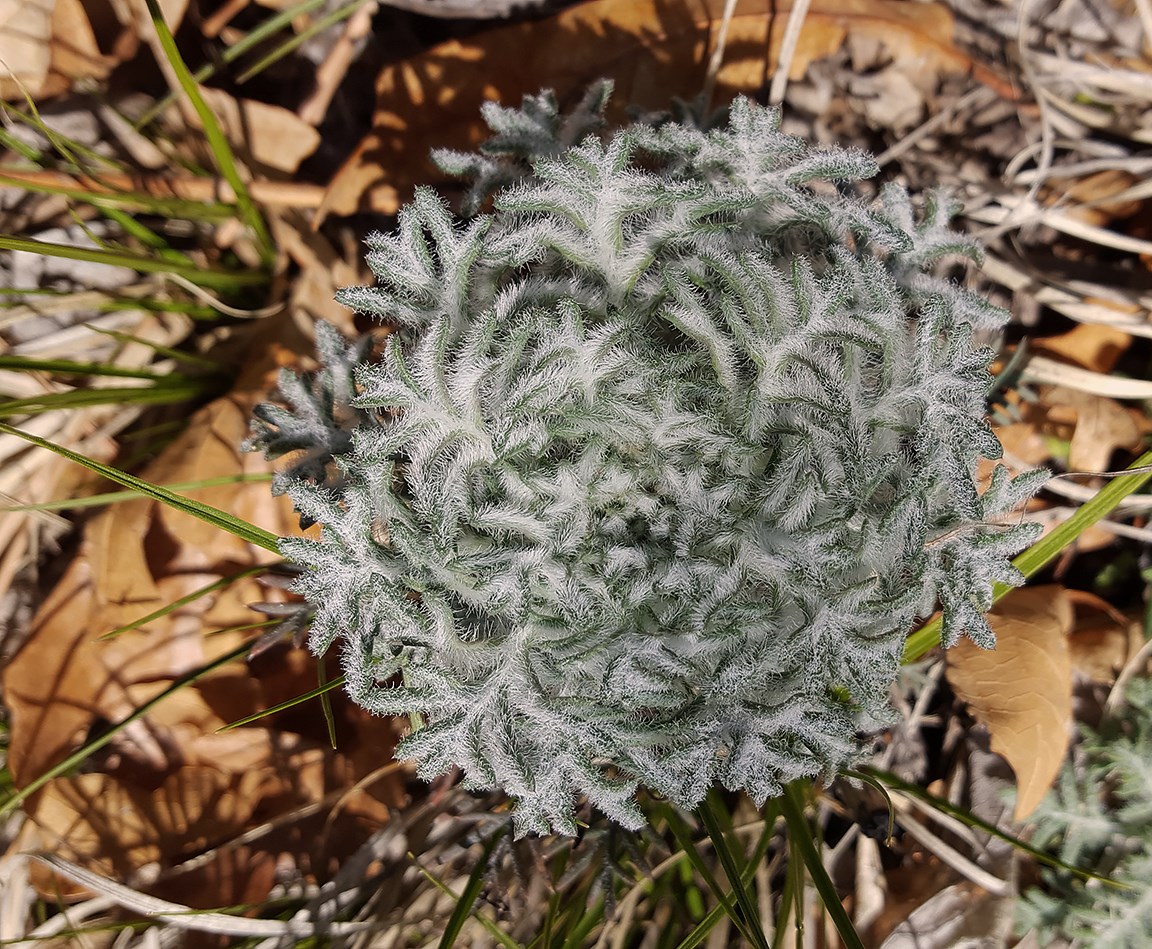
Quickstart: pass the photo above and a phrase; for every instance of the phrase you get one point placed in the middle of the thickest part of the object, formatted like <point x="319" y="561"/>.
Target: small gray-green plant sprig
<point x="664" y="459"/>
<point x="1099" y="815"/>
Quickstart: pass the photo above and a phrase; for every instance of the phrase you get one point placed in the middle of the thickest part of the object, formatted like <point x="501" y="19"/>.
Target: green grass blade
<point x="791" y="903"/>
<point x="146" y="236"/>
<point x="874" y="782"/>
<point x="217" y="142"/>
<point x="257" y="36"/>
<point x="704" y="928"/>
<point x="164" y="392"/>
<point x="11" y="143"/>
<point x="713" y="817"/>
<point x="593" y="917"/>
<point x="116" y="497"/>
<point x="66" y="367"/>
<point x="203" y="276"/>
<point x="726" y="901"/>
<point x="1047" y="548"/>
<point x="78" y="757"/>
<point x="323" y="23"/>
<point x="692" y="896"/>
<point x="192" y="597"/>
<point x="205" y="512"/>
<point x="800" y="838"/>
<point x="557" y="923"/>
<point x="320" y="691"/>
<point x="67" y="148"/>
<point x="192" y="359"/>
<point x="112" y="303"/>
<point x="490" y="927"/>
<point x="463" y="908"/>
<point x="325" y="701"/>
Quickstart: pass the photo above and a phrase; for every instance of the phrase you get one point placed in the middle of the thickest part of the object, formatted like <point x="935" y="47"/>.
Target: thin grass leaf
<point x="108" y="302"/>
<point x="791" y="903"/>
<point x="550" y="917"/>
<point x="203" y="276"/>
<point x="66" y="147"/>
<point x="557" y="923"/>
<point x="463" y="908"/>
<point x="165" y="391"/>
<point x="173" y="209"/>
<point x="800" y="839"/>
<point x="205" y="512"/>
<point x="322" y="690"/>
<point x="693" y="896"/>
<point x="593" y="917"/>
<point x="714" y="818"/>
<point x="67" y="367"/>
<point x="146" y="236"/>
<point x="325" y="701"/>
<point x="883" y="791"/>
<point x="336" y="16"/>
<point x="217" y="142"/>
<point x="221" y="584"/>
<point x="966" y="817"/>
<point x="193" y="359"/>
<point x="490" y="927"/>
<point x="95" y="744"/>
<point x="1047" y="548"/>
<point x="116" y="497"/>
<point x="726" y="900"/>
<point x="256" y="37"/>
<point x="243" y="628"/>
<point x="13" y="144"/>
<point x="704" y="928"/>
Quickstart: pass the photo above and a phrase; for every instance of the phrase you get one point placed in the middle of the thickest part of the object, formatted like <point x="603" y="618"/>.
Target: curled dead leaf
<point x="1103" y="639"/>
<point x="1021" y="691"/>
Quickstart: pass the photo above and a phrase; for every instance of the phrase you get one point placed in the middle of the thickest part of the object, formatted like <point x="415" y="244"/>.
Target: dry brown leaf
<point x="268" y="136"/>
<point x="49" y="44"/>
<point x="1021" y="691"/>
<point x="1103" y="639"/>
<point x="652" y="49"/>
<point x="203" y="802"/>
<point x="25" y="34"/>
<point x="1096" y="190"/>
<point x="1102" y="427"/>
<point x="1094" y="346"/>
<point x="321" y="270"/>
<point x="1024" y="448"/>
<point x="1095" y="426"/>
<point x="79" y="51"/>
<point x="1023" y="443"/>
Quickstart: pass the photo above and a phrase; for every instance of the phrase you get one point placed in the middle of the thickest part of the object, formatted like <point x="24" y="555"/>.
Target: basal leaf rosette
<point x="666" y="456"/>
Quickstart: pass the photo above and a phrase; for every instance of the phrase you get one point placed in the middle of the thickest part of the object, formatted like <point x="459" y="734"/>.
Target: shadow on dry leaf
<point x="654" y="50"/>
<point x="169" y="788"/>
